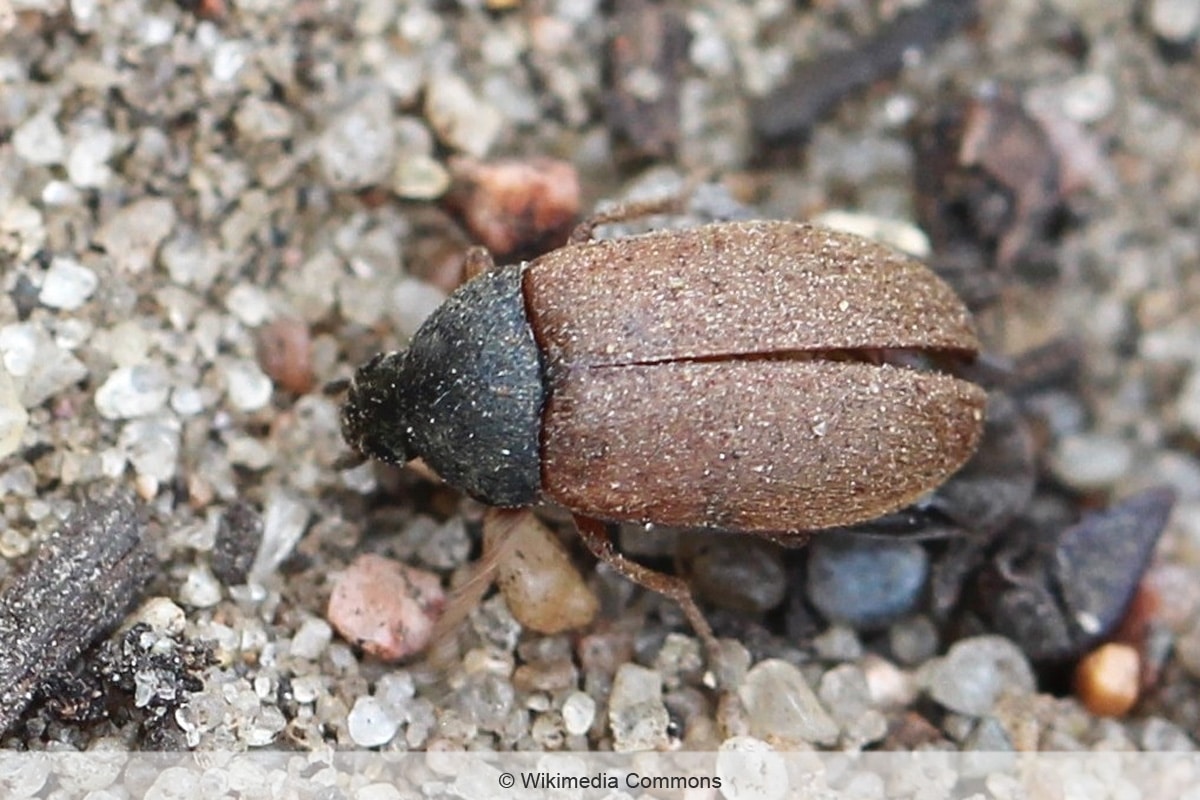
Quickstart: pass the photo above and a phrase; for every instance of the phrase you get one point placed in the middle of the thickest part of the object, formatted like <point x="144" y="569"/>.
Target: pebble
<point x="511" y="204"/>
<point x="307" y="688"/>
<point x="636" y="713"/>
<point x="131" y="392"/>
<point x="161" y="614"/>
<point x="420" y="177"/>
<point x="189" y="259"/>
<point x="750" y="769"/>
<point x="977" y="672"/>
<point x="782" y="709"/>
<point x="39" y="140"/>
<point x="152" y="447"/>
<point x="246" y="385"/>
<point x="988" y="736"/>
<point x="889" y="686"/>
<point x="1163" y="736"/>
<point x="844" y="691"/>
<point x="1107" y="679"/>
<point x="90" y="148"/>
<point x="358" y="148"/>
<point x="370" y="724"/>
<point x="1177" y="21"/>
<point x="1187" y="404"/>
<point x="903" y="236"/>
<point x="578" y="713"/>
<point x="1089" y="461"/>
<point x="413" y="301"/>
<point x="678" y="659"/>
<point x="838" y="643"/>
<point x="67" y="285"/>
<point x="447" y="547"/>
<point x="13" y="416"/>
<point x="386" y="607"/>
<point x="200" y="589"/>
<point x="284" y="521"/>
<point x="913" y="640"/>
<point x="865" y="583"/>
<point x="543" y="589"/>
<point x="260" y="120"/>
<point x="738" y="574"/>
<point x="460" y="119"/>
<point x="311" y="639"/>
<point x="132" y="235"/>
<point x="249" y="303"/>
<point x="1087" y="98"/>
<point x="236" y="541"/>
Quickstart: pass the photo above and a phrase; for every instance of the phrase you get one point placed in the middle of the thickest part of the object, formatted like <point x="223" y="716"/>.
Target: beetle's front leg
<point x="674" y="203"/>
<point x="595" y="535"/>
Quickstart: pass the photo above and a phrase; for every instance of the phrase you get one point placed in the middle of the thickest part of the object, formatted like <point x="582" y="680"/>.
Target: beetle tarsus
<point x="595" y="535"/>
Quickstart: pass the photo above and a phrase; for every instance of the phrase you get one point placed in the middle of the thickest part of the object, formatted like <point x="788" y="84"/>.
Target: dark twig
<point x="80" y="584"/>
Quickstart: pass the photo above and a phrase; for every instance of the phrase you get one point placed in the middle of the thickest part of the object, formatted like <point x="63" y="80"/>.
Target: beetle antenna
<point x="467" y="596"/>
<point x="349" y="460"/>
<point x="335" y="387"/>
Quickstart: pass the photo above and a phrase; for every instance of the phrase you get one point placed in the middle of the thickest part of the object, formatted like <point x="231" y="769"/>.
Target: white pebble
<point x="307" y="688"/>
<point x="578" y="712"/>
<point x="1089" y="97"/>
<point x="87" y="160"/>
<point x="38" y="140"/>
<point x="460" y="119"/>
<point x="250" y="304"/>
<point x="311" y="639"/>
<point x="246" y="385"/>
<point x="377" y="791"/>
<point x="1175" y="20"/>
<point x="13" y="416"/>
<point x="369" y="723"/>
<point x="780" y="705"/>
<point x="200" y="589"/>
<point x="161" y="614"/>
<point x="133" y="392"/>
<point x="67" y="285"/>
<point x="636" y="713"/>
<point x="412" y="303"/>
<point x="284" y="521"/>
<point x="152" y="447"/>
<point x="1091" y="461"/>
<point x="358" y="149"/>
<point x="132" y="235"/>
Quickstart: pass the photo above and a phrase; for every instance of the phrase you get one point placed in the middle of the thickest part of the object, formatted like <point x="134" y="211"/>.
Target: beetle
<point x="766" y="377"/>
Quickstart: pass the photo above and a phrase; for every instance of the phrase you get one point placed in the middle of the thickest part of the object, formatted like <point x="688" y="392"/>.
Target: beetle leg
<point x="595" y="535"/>
<point x="623" y="212"/>
<point x="476" y="262"/>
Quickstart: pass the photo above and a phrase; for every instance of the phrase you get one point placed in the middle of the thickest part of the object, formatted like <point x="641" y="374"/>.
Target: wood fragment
<point x="817" y="87"/>
<point x="80" y="585"/>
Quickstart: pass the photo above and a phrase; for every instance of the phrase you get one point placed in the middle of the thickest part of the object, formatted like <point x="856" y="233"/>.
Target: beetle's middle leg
<point x="595" y="535"/>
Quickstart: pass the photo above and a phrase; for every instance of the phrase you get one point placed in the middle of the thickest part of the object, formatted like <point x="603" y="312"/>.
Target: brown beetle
<point x="765" y="377"/>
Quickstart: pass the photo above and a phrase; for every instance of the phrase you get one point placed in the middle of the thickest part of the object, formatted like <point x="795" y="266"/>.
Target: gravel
<point x="175" y="185"/>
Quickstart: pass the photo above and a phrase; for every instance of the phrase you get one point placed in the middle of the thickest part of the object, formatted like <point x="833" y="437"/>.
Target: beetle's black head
<point x="375" y="416"/>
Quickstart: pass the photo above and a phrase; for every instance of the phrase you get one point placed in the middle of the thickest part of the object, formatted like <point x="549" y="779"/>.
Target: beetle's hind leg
<point x="595" y="535"/>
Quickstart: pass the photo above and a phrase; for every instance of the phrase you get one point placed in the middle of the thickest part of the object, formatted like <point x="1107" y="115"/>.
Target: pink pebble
<point x="386" y="607"/>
